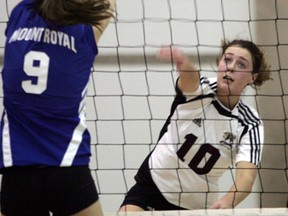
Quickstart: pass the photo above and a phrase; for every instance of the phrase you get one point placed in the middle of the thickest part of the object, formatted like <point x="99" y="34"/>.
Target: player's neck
<point x="228" y="101"/>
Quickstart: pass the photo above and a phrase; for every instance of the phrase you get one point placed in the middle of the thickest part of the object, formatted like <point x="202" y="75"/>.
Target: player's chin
<point x="224" y="89"/>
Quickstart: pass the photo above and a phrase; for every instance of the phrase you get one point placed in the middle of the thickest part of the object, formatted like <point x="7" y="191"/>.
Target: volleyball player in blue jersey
<point x="45" y="145"/>
<point x="208" y="130"/>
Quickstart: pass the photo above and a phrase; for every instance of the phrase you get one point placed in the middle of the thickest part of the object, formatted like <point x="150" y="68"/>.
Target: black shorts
<point x="38" y="191"/>
<point x="145" y="193"/>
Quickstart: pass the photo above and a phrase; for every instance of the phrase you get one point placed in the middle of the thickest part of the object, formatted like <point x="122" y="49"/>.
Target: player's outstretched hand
<point x="173" y="54"/>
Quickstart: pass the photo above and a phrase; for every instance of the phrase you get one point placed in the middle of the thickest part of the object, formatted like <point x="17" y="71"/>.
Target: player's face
<point x="234" y="71"/>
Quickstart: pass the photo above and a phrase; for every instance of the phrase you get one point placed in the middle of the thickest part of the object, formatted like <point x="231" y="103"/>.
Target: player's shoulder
<point x="248" y="114"/>
<point x="208" y="83"/>
<point x="21" y="5"/>
<point x="22" y="11"/>
<point x="244" y="106"/>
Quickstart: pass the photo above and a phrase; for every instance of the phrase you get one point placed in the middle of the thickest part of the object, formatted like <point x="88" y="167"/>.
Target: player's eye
<point x="227" y="60"/>
<point x="241" y="65"/>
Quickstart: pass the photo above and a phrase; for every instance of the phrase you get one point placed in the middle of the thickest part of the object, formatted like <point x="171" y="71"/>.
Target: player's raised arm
<point x="188" y="74"/>
<point x="99" y="29"/>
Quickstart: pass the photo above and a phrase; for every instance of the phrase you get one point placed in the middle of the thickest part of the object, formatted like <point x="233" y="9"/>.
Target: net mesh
<point x="130" y="91"/>
<point x="220" y="212"/>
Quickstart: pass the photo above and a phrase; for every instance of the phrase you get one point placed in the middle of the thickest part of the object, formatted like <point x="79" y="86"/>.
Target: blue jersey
<point x="45" y="76"/>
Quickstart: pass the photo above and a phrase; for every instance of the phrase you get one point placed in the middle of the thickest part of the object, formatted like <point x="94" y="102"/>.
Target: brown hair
<point x="260" y="65"/>
<point x="70" y="12"/>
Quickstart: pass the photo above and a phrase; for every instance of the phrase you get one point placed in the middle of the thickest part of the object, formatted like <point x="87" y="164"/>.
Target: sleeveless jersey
<point x="200" y="140"/>
<point x="45" y="75"/>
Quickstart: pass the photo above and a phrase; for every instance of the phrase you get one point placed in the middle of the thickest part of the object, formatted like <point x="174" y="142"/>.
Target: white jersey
<point x="199" y="142"/>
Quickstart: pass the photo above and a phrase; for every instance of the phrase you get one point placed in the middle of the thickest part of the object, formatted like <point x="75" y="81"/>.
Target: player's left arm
<point x="98" y="31"/>
<point x="245" y="177"/>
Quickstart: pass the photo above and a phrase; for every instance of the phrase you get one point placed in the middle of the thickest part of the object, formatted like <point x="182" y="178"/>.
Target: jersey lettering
<point x="205" y="151"/>
<point x="36" y="64"/>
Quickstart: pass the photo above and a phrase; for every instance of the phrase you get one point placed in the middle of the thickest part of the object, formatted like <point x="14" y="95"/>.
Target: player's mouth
<point x="228" y="78"/>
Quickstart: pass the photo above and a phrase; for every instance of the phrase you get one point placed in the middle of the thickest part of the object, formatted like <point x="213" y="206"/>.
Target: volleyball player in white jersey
<point x="208" y="130"/>
<point x="45" y="146"/>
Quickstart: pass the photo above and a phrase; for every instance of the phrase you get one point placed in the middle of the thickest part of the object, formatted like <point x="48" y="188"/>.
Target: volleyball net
<point x="130" y="92"/>
<point x="220" y="212"/>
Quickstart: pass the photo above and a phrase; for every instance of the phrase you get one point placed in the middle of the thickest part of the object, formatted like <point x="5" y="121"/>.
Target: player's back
<point x="45" y="75"/>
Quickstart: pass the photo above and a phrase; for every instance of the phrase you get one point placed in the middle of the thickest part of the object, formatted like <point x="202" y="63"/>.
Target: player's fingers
<point x="168" y="53"/>
<point x="164" y="53"/>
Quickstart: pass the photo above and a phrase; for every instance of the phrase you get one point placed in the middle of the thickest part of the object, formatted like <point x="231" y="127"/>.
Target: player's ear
<point x="253" y="78"/>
